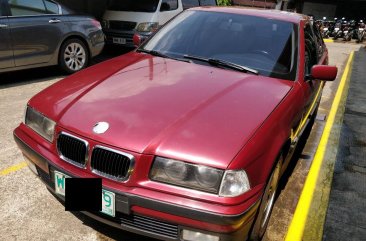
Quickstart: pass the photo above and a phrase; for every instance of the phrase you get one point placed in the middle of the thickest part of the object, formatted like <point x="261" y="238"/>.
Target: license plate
<point x="325" y="29"/>
<point x="108" y="203"/>
<point x="336" y="29"/>
<point x="108" y="198"/>
<point x="361" y="29"/>
<point x="60" y="183"/>
<point x="119" y="40"/>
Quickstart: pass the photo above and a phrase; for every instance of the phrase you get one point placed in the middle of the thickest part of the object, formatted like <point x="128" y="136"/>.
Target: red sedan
<point x="190" y="132"/>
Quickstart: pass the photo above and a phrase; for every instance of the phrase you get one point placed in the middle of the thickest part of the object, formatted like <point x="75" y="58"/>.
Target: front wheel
<point x="268" y="199"/>
<point x="73" y="56"/>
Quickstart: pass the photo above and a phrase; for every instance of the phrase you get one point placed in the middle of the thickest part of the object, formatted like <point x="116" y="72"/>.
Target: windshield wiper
<point x="223" y="63"/>
<point x="160" y="54"/>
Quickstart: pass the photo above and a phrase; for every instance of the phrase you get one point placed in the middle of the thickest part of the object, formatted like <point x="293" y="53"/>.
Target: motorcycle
<point x="338" y="29"/>
<point x="349" y="30"/>
<point x="322" y="26"/>
<point x="361" y="31"/>
<point x="331" y="26"/>
<point x="327" y="29"/>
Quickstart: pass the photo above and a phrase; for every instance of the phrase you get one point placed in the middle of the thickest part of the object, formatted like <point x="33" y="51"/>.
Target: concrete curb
<point x="328" y="40"/>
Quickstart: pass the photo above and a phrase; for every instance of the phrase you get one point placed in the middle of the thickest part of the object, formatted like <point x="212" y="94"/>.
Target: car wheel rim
<point x="270" y="194"/>
<point x="75" y="56"/>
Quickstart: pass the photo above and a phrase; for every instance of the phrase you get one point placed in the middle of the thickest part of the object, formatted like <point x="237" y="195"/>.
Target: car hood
<point x="170" y="108"/>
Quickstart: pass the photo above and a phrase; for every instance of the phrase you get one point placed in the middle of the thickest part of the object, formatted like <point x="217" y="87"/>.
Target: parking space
<point x="292" y="186"/>
<point x="29" y="211"/>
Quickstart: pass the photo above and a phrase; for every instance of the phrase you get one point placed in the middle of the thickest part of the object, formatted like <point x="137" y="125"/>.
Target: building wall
<point x="92" y="7"/>
<point x="320" y="10"/>
<point x="256" y="3"/>
<point x="351" y="9"/>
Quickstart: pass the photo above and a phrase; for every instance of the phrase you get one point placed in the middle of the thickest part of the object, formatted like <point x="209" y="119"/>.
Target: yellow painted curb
<point x="328" y="40"/>
<point x="297" y="226"/>
<point x="13" y="169"/>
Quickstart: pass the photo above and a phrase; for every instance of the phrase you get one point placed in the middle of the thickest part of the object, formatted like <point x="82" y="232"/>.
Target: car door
<point x="36" y="30"/>
<point x="6" y="51"/>
<point x="168" y="10"/>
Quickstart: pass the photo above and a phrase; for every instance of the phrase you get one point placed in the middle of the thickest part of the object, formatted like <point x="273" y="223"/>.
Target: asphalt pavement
<point x="346" y="216"/>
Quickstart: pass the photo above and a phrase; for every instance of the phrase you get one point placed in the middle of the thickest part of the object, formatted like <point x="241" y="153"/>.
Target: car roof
<point x="265" y="13"/>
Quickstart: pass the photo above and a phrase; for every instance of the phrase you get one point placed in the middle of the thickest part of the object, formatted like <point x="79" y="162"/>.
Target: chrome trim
<point x="130" y="169"/>
<point x="69" y="160"/>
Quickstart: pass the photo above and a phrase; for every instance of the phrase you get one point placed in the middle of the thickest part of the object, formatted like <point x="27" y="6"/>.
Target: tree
<point x="224" y="2"/>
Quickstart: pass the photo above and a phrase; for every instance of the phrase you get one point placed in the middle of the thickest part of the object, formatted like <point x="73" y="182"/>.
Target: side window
<point x="51" y="7"/>
<point x="2" y="8"/>
<point x="169" y="5"/>
<point x="208" y="3"/>
<point x="26" y="7"/>
<point x="311" y="56"/>
<point x="190" y="3"/>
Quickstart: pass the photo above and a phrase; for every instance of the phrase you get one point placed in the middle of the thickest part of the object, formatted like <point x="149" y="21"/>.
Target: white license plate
<point x="336" y="29"/>
<point x="345" y="32"/>
<point x="361" y="29"/>
<point x="119" y="40"/>
<point x="108" y="198"/>
<point x="108" y="203"/>
<point x="325" y="29"/>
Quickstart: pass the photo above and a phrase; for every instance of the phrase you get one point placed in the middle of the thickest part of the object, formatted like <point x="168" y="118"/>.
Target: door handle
<point x="55" y="21"/>
<point x="3" y="26"/>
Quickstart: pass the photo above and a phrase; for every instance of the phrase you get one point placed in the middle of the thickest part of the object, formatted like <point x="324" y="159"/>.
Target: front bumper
<point x="96" y="49"/>
<point x="147" y="216"/>
<point x="111" y="34"/>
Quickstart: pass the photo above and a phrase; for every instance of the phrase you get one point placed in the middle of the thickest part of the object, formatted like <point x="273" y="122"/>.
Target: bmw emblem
<point x="100" y="127"/>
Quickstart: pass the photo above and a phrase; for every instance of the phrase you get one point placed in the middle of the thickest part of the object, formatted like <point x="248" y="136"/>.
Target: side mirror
<point x="164" y="7"/>
<point x="324" y="72"/>
<point x="137" y="39"/>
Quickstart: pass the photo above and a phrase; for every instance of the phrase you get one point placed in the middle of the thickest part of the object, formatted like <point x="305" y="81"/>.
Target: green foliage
<point x="224" y="2"/>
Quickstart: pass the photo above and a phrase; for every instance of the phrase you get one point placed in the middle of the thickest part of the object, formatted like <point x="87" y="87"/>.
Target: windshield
<point x="265" y="45"/>
<point x="149" y="6"/>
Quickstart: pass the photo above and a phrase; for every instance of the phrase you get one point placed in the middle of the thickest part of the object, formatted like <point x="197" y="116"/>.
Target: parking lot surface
<point x="30" y="212"/>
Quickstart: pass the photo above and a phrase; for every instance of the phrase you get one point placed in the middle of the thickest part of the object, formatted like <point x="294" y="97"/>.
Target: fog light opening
<point x="189" y="235"/>
<point x="31" y="166"/>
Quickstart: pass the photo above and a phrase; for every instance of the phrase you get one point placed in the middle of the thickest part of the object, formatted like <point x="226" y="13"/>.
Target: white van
<point x="124" y="18"/>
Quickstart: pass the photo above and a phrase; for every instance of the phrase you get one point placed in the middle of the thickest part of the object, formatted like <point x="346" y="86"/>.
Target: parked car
<point x="37" y="33"/>
<point x="190" y="132"/>
<point x="125" y="18"/>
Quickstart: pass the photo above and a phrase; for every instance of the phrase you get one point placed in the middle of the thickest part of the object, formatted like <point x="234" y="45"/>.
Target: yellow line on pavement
<point x="14" y="168"/>
<point x="297" y="226"/>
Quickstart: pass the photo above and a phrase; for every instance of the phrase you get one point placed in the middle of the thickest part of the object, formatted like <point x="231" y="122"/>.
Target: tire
<point x="74" y="56"/>
<point x="267" y="202"/>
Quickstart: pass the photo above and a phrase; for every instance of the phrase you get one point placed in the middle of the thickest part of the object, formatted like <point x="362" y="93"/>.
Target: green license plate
<point x="108" y="198"/>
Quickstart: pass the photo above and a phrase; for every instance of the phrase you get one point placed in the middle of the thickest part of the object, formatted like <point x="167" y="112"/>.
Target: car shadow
<point x="36" y="75"/>
<point x="23" y="77"/>
<point x="298" y="154"/>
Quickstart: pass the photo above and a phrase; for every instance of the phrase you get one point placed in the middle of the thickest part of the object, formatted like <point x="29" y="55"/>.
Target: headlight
<point x="147" y="27"/>
<point x="105" y="24"/>
<point x="234" y="183"/>
<point x="188" y="175"/>
<point x="40" y="124"/>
